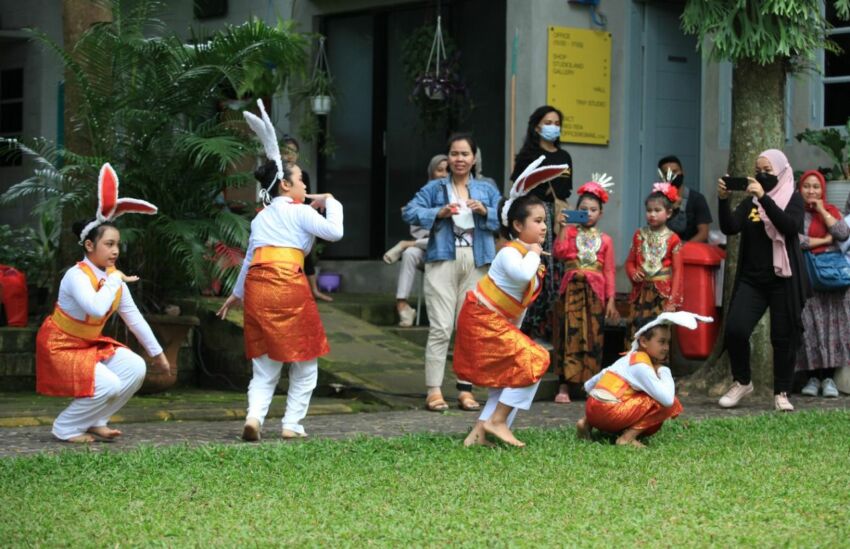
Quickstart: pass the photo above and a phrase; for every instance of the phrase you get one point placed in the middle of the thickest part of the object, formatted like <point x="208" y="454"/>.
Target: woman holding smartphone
<point x="771" y="274"/>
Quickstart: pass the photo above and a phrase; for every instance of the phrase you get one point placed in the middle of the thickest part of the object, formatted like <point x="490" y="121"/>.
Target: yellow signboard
<point x="579" y="83"/>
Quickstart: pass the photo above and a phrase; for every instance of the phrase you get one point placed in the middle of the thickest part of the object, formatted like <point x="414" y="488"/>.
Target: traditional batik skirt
<point x="578" y="336"/>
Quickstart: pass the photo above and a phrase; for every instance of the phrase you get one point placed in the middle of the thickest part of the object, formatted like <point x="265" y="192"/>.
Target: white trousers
<point x="519" y="398"/>
<point x="115" y="381"/>
<point x="302" y="381"/>
<point x="412" y="259"/>
<point x="446" y="284"/>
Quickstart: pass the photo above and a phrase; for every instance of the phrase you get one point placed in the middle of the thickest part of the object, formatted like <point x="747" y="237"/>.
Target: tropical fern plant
<point x="149" y="104"/>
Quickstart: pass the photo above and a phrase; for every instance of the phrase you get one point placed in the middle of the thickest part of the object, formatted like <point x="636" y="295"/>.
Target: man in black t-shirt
<point x="691" y="216"/>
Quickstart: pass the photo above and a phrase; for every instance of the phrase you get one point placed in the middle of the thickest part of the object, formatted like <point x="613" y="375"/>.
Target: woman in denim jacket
<point x="461" y="214"/>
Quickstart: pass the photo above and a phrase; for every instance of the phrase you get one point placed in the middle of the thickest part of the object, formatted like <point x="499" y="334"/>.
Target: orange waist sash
<point x="84" y="329"/>
<point x="275" y="254"/>
<point x="615" y="385"/>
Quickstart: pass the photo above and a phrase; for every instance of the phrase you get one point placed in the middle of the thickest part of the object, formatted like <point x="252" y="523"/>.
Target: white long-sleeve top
<point x="512" y="272"/>
<point x="641" y="377"/>
<point x="78" y="299"/>
<point x="284" y="224"/>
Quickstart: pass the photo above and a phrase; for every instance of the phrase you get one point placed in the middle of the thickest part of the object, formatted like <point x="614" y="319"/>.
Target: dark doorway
<point x="382" y="153"/>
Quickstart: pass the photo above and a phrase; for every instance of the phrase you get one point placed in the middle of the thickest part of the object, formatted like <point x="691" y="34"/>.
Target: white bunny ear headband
<point x="109" y="206"/>
<point x="267" y="135"/>
<point x="680" y="318"/>
<point x="531" y="177"/>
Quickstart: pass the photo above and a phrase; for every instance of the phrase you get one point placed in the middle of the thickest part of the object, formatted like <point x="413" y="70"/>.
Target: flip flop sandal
<point x="393" y="254"/>
<point x="468" y="403"/>
<point x="436" y="403"/>
<point x="562" y="398"/>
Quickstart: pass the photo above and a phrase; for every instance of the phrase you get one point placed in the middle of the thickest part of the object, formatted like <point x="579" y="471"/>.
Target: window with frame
<point x="11" y="112"/>
<point x="836" y="72"/>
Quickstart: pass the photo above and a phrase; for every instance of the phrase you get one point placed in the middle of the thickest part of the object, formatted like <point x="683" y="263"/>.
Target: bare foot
<point x="621" y="441"/>
<point x="288" y="434"/>
<point x="324" y="297"/>
<point x="503" y="433"/>
<point x="563" y="396"/>
<point x="251" y="430"/>
<point x="80" y="439"/>
<point x="583" y="429"/>
<point x="477" y="437"/>
<point x="105" y="432"/>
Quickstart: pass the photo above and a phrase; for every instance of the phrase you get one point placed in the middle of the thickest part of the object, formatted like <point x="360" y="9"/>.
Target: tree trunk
<point x="758" y="123"/>
<point x="77" y="17"/>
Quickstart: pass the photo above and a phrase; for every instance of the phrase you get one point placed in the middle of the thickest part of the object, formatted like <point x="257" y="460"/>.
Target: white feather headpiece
<point x="531" y="177"/>
<point x="680" y="318"/>
<point x="668" y="177"/>
<point x="267" y="135"/>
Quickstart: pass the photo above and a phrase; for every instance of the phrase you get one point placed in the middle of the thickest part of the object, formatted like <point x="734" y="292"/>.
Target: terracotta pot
<point x="171" y="332"/>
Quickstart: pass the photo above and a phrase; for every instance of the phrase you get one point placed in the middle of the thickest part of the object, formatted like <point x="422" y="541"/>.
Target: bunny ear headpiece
<point x="267" y="135"/>
<point x="680" y="318"/>
<point x="109" y="206"/>
<point x="600" y="186"/>
<point x="530" y="178"/>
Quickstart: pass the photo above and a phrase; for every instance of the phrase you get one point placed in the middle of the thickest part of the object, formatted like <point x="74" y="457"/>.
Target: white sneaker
<point x="812" y="387"/>
<point x="406" y="316"/>
<point x="734" y="395"/>
<point x="829" y="388"/>
<point x="782" y="404"/>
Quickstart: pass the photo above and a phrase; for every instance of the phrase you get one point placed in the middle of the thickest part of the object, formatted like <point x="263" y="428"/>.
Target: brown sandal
<point x="466" y="402"/>
<point x="435" y="403"/>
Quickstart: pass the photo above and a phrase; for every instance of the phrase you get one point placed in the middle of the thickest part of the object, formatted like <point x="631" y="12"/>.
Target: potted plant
<point x="149" y="105"/>
<point x="432" y="65"/>
<point x="320" y="87"/>
<point x="834" y="142"/>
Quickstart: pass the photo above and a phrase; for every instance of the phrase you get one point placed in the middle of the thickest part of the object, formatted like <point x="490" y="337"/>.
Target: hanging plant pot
<point x="434" y="89"/>
<point x="321" y="104"/>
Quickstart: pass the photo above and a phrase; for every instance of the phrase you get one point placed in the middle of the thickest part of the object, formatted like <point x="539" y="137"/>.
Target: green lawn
<point x="772" y="480"/>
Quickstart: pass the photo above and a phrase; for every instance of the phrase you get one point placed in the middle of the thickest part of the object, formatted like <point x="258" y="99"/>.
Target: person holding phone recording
<point x="771" y="274"/>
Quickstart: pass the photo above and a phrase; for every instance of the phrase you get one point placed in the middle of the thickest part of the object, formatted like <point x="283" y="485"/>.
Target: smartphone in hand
<point x="575" y="216"/>
<point x="735" y="183"/>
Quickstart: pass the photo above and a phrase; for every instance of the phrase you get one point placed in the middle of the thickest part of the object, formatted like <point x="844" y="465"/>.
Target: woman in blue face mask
<point x="543" y="137"/>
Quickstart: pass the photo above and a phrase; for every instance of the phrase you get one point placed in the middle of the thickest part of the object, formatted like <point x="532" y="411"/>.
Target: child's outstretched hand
<point x="230" y="302"/>
<point x="128" y="279"/>
<point x="161" y="364"/>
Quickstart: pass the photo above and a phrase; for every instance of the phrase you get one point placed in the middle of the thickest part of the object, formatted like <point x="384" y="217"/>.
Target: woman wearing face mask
<point x="461" y="213"/>
<point x="771" y="274"/>
<point x="543" y="137"/>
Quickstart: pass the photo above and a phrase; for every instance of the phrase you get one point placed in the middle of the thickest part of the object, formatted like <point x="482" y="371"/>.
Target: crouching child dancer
<point x="490" y="350"/>
<point x="281" y="319"/>
<point x="72" y="356"/>
<point x="634" y="396"/>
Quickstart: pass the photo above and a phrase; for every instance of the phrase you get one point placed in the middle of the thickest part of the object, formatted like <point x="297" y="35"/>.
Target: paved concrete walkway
<point x="21" y="441"/>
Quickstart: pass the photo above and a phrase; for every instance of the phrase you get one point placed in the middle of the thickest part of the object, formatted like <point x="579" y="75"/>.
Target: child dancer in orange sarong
<point x="490" y="350"/>
<point x="282" y="321"/>
<point x="635" y="395"/>
<point x="72" y="357"/>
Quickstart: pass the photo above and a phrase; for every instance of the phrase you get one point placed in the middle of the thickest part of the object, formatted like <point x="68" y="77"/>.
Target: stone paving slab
<point x="25" y="441"/>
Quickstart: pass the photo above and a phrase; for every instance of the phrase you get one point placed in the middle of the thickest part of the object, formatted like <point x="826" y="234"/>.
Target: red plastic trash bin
<point x="15" y="298"/>
<point x="701" y="262"/>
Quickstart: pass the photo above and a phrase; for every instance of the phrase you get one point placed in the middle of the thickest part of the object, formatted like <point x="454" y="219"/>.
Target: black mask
<point x="678" y="180"/>
<point x="767" y="181"/>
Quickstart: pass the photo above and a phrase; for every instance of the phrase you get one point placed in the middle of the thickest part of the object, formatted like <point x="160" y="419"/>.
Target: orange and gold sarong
<point x="636" y="410"/>
<point x="281" y="317"/>
<point x="67" y="350"/>
<point x="490" y="351"/>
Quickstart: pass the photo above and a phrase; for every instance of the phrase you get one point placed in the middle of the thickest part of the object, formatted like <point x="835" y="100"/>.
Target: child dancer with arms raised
<point x="587" y="289"/>
<point x="282" y="321"/>
<point x="72" y="357"/>
<point x="654" y="265"/>
<point x="490" y="350"/>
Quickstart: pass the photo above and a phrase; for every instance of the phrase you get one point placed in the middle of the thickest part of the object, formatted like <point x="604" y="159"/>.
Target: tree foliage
<point x="761" y="31"/>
